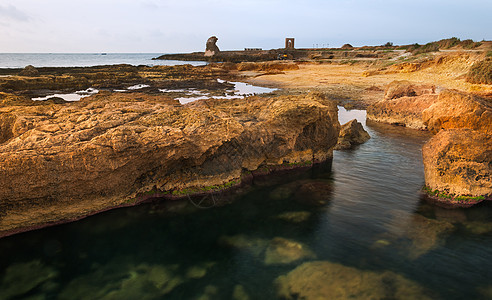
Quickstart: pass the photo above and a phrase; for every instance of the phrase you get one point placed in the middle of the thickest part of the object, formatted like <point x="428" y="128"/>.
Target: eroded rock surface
<point x="351" y="134"/>
<point x="457" y="162"/>
<point x="455" y="109"/>
<point x="211" y="48"/>
<point x="403" y="104"/>
<point x="65" y="161"/>
<point x="326" y="280"/>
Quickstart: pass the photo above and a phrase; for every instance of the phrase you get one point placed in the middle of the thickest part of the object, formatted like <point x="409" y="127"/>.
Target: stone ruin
<point x="289" y="43"/>
<point x="211" y="48"/>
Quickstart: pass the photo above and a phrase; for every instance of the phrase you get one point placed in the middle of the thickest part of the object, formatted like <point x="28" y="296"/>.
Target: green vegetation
<point x="210" y="188"/>
<point x="451" y="197"/>
<point x="300" y="164"/>
<point x="481" y="72"/>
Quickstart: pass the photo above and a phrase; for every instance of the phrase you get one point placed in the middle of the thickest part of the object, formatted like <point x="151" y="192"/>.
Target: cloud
<point x="12" y="13"/>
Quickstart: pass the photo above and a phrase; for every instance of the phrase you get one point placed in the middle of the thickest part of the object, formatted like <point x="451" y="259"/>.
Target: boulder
<point x="458" y="167"/>
<point x="211" y="47"/>
<point x="351" y="133"/>
<point x="30" y="71"/>
<point x="455" y="109"/>
<point x="284" y="251"/>
<point x="403" y="104"/>
<point x="61" y="162"/>
<point x="403" y="88"/>
<point x="326" y="280"/>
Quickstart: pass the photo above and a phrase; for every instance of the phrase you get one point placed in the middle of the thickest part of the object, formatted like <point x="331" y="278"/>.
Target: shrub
<point x="480" y="72"/>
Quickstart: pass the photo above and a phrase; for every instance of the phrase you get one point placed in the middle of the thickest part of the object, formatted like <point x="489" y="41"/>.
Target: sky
<point x="173" y="26"/>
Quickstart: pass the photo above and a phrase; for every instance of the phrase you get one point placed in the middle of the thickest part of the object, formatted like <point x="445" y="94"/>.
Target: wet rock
<point x="239" y="293"/>
<point x="457" y="163"/>
<point x="315" y="193"/>
<point x="295" y="216"/>
<point x="210" y="292"/>
<point x="21" y="278"/>
<point x="65" y="161"/>
<point x="254" y="246"/>
<point x="478" y="227"/>
<point x="284" y="251"/>
<point x="211" y="47"/>
<point x="122" y="281"/>
<point x="30" y="71"/>
<point x="425" y="235"/>
<point x="326" y="280"/>
<point x="282" y="192"/>
<point x="351" y="133"/>
<point x="198" y="271"/>
<point x="455" y="109"/>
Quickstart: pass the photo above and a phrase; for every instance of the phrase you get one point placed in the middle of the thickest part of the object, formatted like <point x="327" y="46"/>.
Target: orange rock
<point x="66" y="161"/>
<point x="455" y="109"/>
<point x="458" y="162"/>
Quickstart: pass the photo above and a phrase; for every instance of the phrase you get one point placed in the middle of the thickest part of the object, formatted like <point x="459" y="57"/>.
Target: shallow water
<point x="364" y="213"/>
<point x="240" y="91"/>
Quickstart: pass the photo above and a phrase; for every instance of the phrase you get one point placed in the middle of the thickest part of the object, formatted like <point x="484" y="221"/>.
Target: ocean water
<point x="360" y="218"/>
<point x="20" y="60"/>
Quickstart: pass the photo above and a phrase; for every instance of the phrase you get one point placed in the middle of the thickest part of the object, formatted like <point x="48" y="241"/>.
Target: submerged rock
<point x="295" y="216"/>
<point x="351" y="133"/>
<point x="122" y="281"/>
<point x="239" y="293"/>
<point x="252" y="245"/>
<point x="326" y="280"/>
<point x="284" y="251"/>
<point x="426" y="235"/>
<point x="457" y="166"/>
<point x="65" y="161"/>
<point x="317" y="193"/>
<point x="21" y="278"/>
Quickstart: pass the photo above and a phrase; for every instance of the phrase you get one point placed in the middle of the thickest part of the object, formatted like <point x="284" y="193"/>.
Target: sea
<point x="20" y="60"/>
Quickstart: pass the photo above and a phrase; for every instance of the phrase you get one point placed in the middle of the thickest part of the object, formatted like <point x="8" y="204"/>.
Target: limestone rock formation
<point x="457" y="163"/>
<point x="326" y="280"/>
<point x="351" y="133"/>
<point x="403" y="104"/>
<point x="211" y="47"/>
<point x="403" y="88"/>
<point x="65" y="161"/>
<point x="455" y="109"/>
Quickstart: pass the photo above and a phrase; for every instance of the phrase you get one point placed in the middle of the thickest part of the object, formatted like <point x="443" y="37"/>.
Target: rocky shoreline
<point x="65" y="161"/>
<point x="457" y="160"/>
<point x="62" y="161"/>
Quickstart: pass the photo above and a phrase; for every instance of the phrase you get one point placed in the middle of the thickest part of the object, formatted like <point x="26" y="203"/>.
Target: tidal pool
<point x="353" y="229"/>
